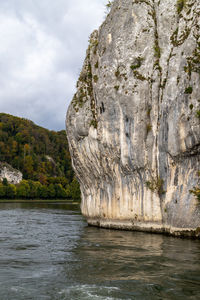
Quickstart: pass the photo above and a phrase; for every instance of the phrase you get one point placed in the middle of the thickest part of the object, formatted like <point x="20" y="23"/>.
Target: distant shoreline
<point x="63" y="201"/>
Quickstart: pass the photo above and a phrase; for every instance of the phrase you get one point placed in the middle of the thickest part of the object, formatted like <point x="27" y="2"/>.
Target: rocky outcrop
<point x="12" y="175"/>
<point x="134" y="123"/>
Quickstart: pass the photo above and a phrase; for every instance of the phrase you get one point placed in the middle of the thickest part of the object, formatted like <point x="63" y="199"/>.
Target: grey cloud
<point x="43" y="45"/>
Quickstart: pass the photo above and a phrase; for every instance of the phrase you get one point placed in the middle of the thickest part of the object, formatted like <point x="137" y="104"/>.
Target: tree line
<point x="29" y="189"/>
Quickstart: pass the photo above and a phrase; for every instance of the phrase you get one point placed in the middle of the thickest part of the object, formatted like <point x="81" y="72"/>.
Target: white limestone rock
<point x="12" y="175"/>
<point x="132" y="126"/>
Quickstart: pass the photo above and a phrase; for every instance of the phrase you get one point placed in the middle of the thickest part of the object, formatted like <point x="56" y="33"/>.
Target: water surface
<point x="47" y="251"/>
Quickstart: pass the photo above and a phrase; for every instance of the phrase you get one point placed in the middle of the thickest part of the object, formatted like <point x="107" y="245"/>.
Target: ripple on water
<point x="50" y="253"/>
<point x="87" y="292"/>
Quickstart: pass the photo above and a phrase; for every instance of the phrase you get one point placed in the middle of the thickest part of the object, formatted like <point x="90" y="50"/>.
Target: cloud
<point x="43" y="45"/>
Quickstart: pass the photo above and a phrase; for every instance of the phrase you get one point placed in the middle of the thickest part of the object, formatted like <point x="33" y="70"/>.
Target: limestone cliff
<point x="12" y="175"/>
<point x="134" y="123"/>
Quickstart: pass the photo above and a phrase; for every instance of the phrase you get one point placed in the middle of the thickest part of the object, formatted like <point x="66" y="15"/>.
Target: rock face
<point x="12" y="175"/>
<point x="133" y="125"/>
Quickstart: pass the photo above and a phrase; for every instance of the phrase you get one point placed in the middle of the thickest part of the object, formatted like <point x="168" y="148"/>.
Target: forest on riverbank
<point x="41" y="155"/>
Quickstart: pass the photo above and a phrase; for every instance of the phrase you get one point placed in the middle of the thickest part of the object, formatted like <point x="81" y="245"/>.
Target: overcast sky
<point x="42" y="48"/>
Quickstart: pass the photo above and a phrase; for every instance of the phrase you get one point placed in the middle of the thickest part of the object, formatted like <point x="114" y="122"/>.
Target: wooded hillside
<point x="40" y="154"/>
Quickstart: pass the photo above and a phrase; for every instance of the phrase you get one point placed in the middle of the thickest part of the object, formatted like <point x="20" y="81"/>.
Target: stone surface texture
<point x="133" y="125"/>
<point x="12" y="175"/>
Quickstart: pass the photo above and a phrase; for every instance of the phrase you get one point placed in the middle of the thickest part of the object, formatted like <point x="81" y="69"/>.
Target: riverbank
<point x="67" y="201"/>
<point x="146" y="227"/>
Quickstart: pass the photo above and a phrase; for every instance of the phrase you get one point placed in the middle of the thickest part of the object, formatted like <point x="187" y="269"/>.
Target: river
<point x="47" y="251"/>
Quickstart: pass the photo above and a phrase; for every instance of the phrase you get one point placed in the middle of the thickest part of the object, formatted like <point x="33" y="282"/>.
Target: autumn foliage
<point x="41" y="155"/>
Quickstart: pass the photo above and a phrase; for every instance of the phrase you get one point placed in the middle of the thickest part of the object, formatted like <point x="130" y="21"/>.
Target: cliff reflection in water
<point x="138" y="259"/>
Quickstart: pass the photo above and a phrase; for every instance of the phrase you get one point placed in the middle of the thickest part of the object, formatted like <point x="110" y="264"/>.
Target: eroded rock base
<point x="145" y="227"/>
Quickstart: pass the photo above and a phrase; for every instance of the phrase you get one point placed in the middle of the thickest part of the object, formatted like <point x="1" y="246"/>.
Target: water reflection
<point x="41" y="205"/>
<point x="139" y="262"/>
<point x="47" y="251"/>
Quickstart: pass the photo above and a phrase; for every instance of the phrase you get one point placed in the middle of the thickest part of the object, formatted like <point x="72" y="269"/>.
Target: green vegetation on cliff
<point x="196" y="190"/>
<point x="41" y="155"/>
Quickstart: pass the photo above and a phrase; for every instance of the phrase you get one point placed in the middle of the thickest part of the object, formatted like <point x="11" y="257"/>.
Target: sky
<point x="43" y="45"/>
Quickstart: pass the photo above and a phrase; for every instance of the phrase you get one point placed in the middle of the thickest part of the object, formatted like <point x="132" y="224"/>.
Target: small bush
<point x="109" y="4"/>
<point x="95" y="78"/>
<point x="94" y="123"/>
<point x="180" y="5"/>
<point x="191" y="106"/>
<point x="117" y="72"/>
<point x="156" y="185"/>
<point x="196" y="190"/>
<point x="188" y="90"/>
<point x="116" y="87"/>
<point x="198" y="114"/>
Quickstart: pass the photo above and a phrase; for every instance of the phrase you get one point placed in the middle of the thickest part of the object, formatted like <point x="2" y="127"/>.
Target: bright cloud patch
<point x="43" y="45"/>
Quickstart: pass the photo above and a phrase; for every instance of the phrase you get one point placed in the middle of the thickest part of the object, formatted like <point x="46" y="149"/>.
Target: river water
<point x="47" y="251"/>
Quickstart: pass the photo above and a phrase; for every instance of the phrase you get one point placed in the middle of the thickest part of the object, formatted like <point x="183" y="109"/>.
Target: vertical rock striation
<point x="133" y="125"/>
